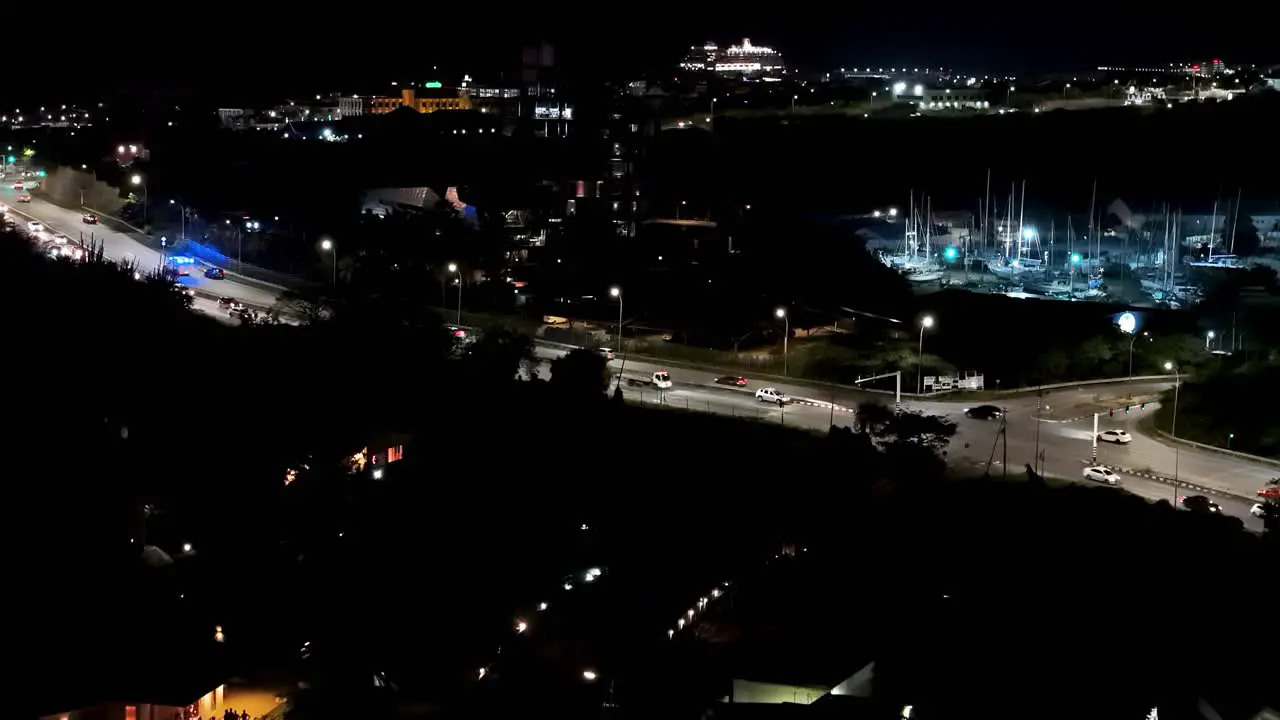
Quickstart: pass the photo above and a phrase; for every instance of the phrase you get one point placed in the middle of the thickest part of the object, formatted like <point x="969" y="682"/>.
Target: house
<point x="176" y="699"/>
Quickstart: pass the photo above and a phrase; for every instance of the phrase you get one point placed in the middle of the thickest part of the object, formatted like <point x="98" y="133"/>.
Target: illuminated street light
<point x="1173" y="423"/>
<point x="925" y="322"/>
<point x="899" y="88"/>
<point x="328" y="245"/>
<point x="616" y="292"/>
<point x="589" y="675"/>
<point x="781" y="314"/>
<point x="138" y="180"/>
<point x="453" y="268"/>
<point x="186" y="547"/>
<point x="521" y="626"/>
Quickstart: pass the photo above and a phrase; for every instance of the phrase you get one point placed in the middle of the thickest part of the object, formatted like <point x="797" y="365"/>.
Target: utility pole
<point x="1095" y="438"/>
<point x="1039" y="405"/>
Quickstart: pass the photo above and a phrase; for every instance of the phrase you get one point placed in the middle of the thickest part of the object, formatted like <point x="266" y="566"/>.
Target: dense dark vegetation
<point x="122" y="400"/>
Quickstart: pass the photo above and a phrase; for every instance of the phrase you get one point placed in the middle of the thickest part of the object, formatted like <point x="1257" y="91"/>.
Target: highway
<point x="119" y="246"/>
<point x="1066" y="443"/>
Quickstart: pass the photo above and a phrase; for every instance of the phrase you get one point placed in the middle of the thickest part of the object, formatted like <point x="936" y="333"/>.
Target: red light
<point x="1195" y="67"/>
<point x="1217" y="61"/>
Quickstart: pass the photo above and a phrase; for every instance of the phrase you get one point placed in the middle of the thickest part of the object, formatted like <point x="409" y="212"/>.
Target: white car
<point x="1257" y="510"/>
<point x="35" y="227"/>
<point x="1119" y="437"/>
<point x="1104" y="475"/>
<point x="772" y="395"/>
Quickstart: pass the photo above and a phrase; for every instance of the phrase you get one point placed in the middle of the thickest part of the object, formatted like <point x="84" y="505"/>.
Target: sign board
<point x="943" y="383"/>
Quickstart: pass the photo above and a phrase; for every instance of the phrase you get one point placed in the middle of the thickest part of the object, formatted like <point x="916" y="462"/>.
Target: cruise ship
<point x="745" y="60"/>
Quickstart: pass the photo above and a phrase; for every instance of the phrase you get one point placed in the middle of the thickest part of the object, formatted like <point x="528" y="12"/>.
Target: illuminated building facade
<point x="429" y="100"/>
<point x="745" y="60"/>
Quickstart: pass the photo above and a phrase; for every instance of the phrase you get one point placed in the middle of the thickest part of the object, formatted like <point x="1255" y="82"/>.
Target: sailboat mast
<point x="1008" y="227"/>
<point x="1022" y="210"/>
<point x="1213" y="227"/>
<point x="1234" y="225"/>
<point x="986" y="212"/>
<point x="1093" y="197"/>
<point x="1051" y="238"/>
<point x="928" y="227"/>
<point x="908" y="245"/>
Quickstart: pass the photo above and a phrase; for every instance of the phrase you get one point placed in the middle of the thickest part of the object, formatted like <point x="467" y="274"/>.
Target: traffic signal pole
<point x="1095" y="438"/>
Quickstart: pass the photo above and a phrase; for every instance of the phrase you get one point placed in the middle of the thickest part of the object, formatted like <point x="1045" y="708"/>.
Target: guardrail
<point x="858" y="388"/>
<point x="1222" y="451"/>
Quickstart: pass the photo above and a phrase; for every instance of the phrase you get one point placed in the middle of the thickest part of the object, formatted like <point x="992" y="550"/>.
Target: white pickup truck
<point x="660" y="379"/>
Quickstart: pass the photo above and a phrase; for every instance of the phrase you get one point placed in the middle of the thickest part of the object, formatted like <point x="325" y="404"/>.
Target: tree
<point x="500" y="354"/>
<point x="580" y="374"/>
<point x="310" y="308"/>
<point x="1242" y="238"/>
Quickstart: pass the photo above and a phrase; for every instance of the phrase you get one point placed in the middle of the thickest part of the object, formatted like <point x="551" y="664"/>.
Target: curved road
<point x="119" y="246"/>
<point x="1066" y="444"/>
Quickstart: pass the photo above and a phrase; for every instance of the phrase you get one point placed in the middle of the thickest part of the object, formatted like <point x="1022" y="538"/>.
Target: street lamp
<point x="616" y="292"/>
<point x="327" y="245"/>
<point x="1131" y="341"/>
<point x="1207" y="338"/>
<point x="1173" y="424"/>
<point x="925" y="322"/>
<point x="182" y="234"/>
<point x="453" y="268"/>
<point x="138" y="180"/>
<point x="781" y="313"/>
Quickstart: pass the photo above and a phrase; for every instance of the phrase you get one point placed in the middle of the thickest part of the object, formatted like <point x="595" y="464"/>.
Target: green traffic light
<point x="12" y="159"/>
<point x="1075" y="258"/>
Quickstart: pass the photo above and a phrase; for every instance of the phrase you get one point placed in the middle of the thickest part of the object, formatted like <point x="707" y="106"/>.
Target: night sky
<point x="303" y="47"/>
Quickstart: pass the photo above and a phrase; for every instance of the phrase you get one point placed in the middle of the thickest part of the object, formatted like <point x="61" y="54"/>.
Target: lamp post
<point x="182" y="234"/>
<point x="1131" y="341"/>
<point x="453" y="268"/>
<point x="786" y="337"/>
<point x="138" y="180"/>
<point x="925" y="322"/>
<point x="1173" y="424"/>
<point x="327" y="244"/>
<point x="1208" y="338"/>
<point x="616" y="292"/>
